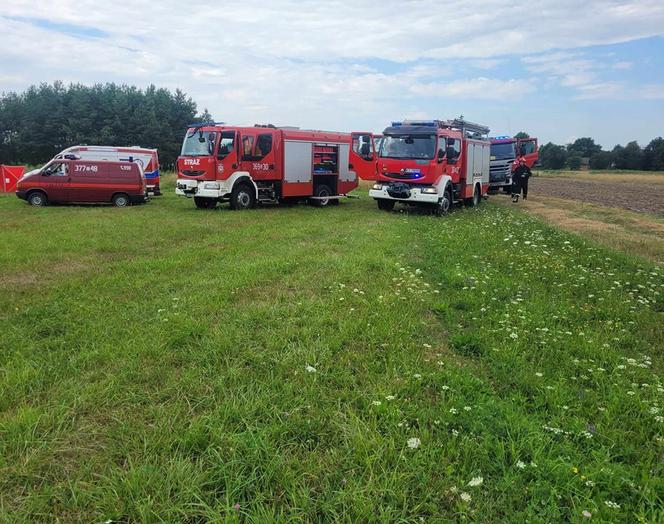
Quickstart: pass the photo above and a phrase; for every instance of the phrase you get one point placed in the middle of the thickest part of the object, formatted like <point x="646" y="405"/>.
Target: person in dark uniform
<point x="520" y="178"/>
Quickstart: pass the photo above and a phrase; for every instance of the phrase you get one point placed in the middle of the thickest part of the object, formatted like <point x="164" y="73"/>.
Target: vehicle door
<point x="452" y="156"/>
<point x="228" y="158"/>
<point x="86" y="181"/>
<point x="257" y="151"/>
<point x="54" y="178"/>
<point x="528" y="150"/>
<point x="363" y="155"/>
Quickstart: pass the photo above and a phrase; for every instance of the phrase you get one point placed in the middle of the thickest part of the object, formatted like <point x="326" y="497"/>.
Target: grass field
<point x="627" y="231"/>
<point x="294" y="364"/>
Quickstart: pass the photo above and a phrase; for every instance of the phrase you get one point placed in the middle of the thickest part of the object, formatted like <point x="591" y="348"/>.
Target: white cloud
<point x="315" y="63"/>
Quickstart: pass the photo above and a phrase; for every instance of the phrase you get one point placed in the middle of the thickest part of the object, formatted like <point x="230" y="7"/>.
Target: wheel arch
<point x="243" y="177"/>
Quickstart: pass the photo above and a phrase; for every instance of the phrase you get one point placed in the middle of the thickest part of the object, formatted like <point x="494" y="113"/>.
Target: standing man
<point x="520" y="178"/>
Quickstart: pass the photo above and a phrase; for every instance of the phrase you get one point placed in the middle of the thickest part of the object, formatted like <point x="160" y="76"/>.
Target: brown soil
<point x="643" y="197"/>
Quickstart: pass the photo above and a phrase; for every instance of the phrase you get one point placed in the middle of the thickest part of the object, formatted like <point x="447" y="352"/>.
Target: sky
<point x="558" y="70"/>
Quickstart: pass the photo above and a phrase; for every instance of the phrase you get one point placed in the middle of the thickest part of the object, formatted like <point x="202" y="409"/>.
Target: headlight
<point x="377" y="187"/>
<point x="430" y="190"/>
<point x="211" y="185"/>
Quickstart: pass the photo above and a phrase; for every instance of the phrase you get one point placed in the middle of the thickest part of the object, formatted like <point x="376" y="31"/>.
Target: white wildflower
<point x="311" y="369"/>
<point x="465" y="496"/>
<point x="476" y="481"/>
<point x="413" y="443"/>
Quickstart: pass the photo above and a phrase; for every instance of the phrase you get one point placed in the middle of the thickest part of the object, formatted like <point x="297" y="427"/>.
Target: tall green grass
<point x="295" y="364"/>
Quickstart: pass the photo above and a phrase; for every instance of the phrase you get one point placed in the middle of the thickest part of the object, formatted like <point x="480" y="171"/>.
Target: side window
<point x="453" y="148"/>
<point x="527" y="147"/>
<point x="247" y="147"/>
<point x="263" y="146"/>
<point x="226" y="144"/>
<point x="56" y="169"/>
<point x="362" y="145"/>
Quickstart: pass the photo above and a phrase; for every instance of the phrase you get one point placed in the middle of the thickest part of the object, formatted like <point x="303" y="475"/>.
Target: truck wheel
<point x="37" y="198"/>
<point x="205" y="203"/>
<point x="444" y="204"/>
<point x="242" y="197"/>
<point x="322" y="191"/>
<point x="385" y="205"/>
<point x="476" y="199"/>
<point x="120" y="200"/>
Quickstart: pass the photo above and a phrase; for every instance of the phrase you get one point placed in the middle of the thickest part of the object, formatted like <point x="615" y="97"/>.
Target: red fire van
<point x="64" y="180"/>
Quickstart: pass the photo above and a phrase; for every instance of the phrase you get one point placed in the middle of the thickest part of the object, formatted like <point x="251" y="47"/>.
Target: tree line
<point x="585" y="150"/>
<point x="40" y="122"/>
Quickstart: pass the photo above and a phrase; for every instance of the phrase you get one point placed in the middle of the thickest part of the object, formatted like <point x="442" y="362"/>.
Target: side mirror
<point x="441" y="155"/>
<point x="365" y="150"/>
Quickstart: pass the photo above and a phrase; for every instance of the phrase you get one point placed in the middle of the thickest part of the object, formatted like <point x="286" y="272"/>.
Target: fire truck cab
<point x="246" y="165"/>
<point x="505" y="150"/>
<point x="433" y="163"/>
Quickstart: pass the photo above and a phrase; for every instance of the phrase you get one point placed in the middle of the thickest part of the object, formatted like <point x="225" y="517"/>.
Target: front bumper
<point x="414" y="194"/>
<point x="22" y="195"/>
<point x="197" y="188"/>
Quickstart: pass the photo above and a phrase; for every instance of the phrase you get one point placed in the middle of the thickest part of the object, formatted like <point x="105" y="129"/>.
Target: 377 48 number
<point x="86" y="169"/>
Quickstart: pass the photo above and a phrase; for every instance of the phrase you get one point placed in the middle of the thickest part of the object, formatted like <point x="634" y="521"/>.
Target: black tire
<point x="476" y="199"/>
<point x="322" y="191"/>
<point x="385" y="205"/>
<point x="37" y="198"/>
<point x="121" y="200"/>
<point x="444" y="205"/>
<point x="243" y="197"/>
<point x="205" y="203"/>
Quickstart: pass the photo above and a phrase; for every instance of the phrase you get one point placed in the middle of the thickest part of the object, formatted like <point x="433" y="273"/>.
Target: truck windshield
<point x="408" y="146"/>
<point x="503" y="151"/>
<point x="198" y="144"/>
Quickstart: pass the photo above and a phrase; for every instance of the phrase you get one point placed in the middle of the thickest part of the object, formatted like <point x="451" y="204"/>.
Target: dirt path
<point x="648" y="198"/>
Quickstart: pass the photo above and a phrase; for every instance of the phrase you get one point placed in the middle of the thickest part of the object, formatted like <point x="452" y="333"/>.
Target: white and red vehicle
<point x="264" y="163"/>
<point x="505" y="150"/>
<point x="433" y="163"/>
<point x="146" y="158"/>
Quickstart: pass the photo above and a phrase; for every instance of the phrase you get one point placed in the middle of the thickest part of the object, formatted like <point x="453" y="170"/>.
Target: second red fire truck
<point x="430" y="163"/>
<point x="264" y="163"/>
<point x="504" y="151"/>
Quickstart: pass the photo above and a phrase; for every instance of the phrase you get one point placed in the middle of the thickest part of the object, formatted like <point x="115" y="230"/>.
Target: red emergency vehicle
<point x="264" y="163"/>
<point x="434" y="163"/>
<point x="147" y="158"/>
<point x="73" y="180"/>
<point x="505" y="150"/>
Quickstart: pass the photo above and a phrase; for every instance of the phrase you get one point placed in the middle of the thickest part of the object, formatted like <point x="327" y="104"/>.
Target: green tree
<point x="522" y="134"/>
<point x="552" y="156"/>
<point x="586" y="147"/>
<point x="628" y="157"/>
<point x="601" y="160"/>
<point x="653" y="155"/>
<point x="574" y="161"/>
<point x="43" y="120"/>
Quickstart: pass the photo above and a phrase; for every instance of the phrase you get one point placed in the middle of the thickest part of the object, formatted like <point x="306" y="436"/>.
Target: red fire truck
<point x="504" y="151"/>
<point x="434" y="163"/>
<point x="264" y="163"/>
